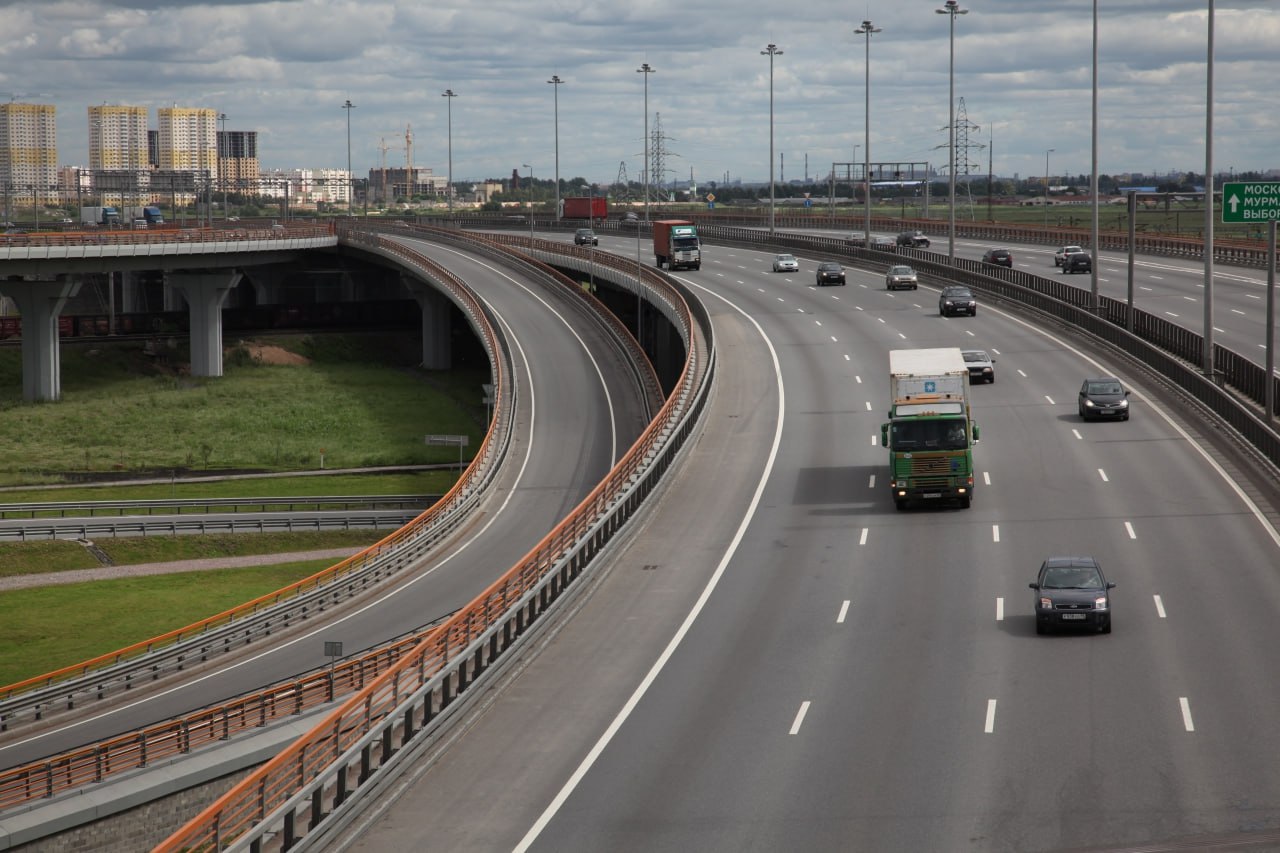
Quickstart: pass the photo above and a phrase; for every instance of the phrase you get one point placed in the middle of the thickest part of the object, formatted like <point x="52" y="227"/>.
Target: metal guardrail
<point x="119" y="527"/>
<point x="175" y="506"/>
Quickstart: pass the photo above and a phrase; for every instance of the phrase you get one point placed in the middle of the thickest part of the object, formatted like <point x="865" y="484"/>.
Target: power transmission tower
<point x="963" y="145"/>
<point x="621" y="186"/>
<point x="658" y="152"/>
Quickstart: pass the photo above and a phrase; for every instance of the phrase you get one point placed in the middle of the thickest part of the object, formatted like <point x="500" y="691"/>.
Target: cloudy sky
<point x="284" y="68"/>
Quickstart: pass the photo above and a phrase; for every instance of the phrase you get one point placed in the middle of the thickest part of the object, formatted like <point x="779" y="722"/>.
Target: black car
<point x="829" y="272"/>
<point x="999" y="257"/>
<point x="914" y="239"/>
<point x="1077" y="262"/>
<point x="1104" y="398"/>
<point x="583" y="236"/>
<point x="1072" y="592"/>
<point x="982" y="367"/>
<point x="956" y="299"/>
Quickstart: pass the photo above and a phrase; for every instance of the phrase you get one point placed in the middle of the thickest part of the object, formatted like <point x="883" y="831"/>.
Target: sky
<point x="284" y="68"/>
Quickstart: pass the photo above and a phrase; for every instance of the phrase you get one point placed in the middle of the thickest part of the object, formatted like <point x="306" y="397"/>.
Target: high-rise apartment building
<point x="28" y="154"/>
<point x="118" y="157"/>
<point x="188" y="140"/>
<point x="238" y="166"/>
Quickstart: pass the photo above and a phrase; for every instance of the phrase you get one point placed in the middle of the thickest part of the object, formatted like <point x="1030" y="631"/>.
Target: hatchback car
<point x="1061" y="253"/>
<point x="982" y="367"/>
<point x="901" y="276"/>
<point x="956" y="299"/>
<point x="1072" y="592"/>
<point x="829" y="272"/>
<point x="884" y="244"/>
<point x="1077" y="262"/>
<point x="583" y="236"/>
<point x="998" y="257"/>
<point x="914" y="239"/>
<point x="1104" y="398"/>
<point x="785" y="263"/>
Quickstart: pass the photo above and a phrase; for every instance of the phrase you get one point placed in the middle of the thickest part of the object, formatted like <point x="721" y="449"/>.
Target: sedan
<point x="1072" y="592"/>
<point x="583" y="236"/>
<point x="1104" y="398"/>
<point x="785" y="263"/>
<point x="982" y="367"/>
<point x="829" y="272"/>
<point x="956" y="299"/>
<point x="900" y="276"/>
<point x="1061" y="253"/>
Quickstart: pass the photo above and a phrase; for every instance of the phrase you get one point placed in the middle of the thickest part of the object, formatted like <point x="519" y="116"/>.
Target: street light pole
<point x="530" y="168"/>
<point x="348" y="106"/>
<point x="448" y="93"/>
<point x="1047" y="152"/>
<point x="952" y="8"/>
<point x="866" y="29"/>
<point x="556" y="81"/>
<point x="222" y="174"/>
<point x="646" y="70"/>
<point x="770" y="51"/>
<point x="1207" y="360"/>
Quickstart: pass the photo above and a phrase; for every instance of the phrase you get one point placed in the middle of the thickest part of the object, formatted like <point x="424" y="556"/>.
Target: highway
<point x="579" y="408"/>
<point x="780" y="660"/>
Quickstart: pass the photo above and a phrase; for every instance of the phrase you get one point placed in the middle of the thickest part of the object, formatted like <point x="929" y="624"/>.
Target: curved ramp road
<point x="578" y="413"/>
<point x="781" y="660"/>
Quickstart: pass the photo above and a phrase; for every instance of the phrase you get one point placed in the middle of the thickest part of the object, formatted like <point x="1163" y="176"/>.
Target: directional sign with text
<point x="1256" y="201"/>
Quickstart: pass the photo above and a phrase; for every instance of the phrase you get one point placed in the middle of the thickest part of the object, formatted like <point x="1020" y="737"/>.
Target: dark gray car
<point x="1072" y="592"/>
<point x="1104" y="398"/>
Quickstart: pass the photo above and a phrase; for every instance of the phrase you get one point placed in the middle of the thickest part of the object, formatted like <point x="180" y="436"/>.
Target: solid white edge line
<point x="1159" y="605"/>
<point x="844" y="611"/>
<point x="995" y="533"/>
<point x="990" y="725"/>
<point x="799" y="720"/>
<point x="1186" y="713"/>
<point x="1000" y="609"/>
<point x="615" y="726"/>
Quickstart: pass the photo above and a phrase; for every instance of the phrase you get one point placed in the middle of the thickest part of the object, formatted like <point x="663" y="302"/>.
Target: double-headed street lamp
<point x="646" y="70"/>
<point x="866" y="29"/>
<point x="448" y="93"/>
<point x="556" y="81"/>
<point x="222" y="171"/>
<point x="530" y="168"/>
<point x="770" y="51"/>
<point x="952" y="8"/>
<point x="348" y="106"/>
<point x="1047" y="152"/>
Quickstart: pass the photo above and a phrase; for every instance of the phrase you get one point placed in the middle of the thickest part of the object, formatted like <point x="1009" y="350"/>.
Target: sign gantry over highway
<point x="1256" y="201"/>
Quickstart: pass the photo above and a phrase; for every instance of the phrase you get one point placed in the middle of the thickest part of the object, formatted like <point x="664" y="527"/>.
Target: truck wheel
<point x="966" y="501"/>
<point x="900" y="504"/>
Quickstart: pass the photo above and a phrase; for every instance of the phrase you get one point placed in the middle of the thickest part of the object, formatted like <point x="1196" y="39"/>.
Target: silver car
<point x="982" y="367"/>
<point x="785" y="263"/>
<point x="900" y="276"/>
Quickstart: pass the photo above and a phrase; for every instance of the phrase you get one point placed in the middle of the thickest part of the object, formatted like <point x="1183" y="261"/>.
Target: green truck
<point x="930" y="433"/>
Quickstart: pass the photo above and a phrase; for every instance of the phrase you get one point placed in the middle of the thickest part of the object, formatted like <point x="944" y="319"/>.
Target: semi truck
<point x="930" y="433"/>
<point x="149" y="214"/>
<point x="593" y="207"/>
<point x="675" y="243"/>
<point x="104" y="215"/>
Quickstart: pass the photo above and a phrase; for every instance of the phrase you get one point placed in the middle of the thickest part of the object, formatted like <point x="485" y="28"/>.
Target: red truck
<point x="593" y="207"/>
<point x="675" y="243"/>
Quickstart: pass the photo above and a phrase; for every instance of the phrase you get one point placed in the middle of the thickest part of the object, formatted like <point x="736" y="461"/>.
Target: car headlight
<point x="1100" y="603"/>
<point x="1089" y="404"/>
<point x="1124" y="404"/>
<point x="1046" y="603"/>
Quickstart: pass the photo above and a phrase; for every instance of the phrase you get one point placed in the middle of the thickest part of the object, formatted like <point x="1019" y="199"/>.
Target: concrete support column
<point x="39" y="303"/>
<point x="205" y="292"/>
<point x="436" y="345"/>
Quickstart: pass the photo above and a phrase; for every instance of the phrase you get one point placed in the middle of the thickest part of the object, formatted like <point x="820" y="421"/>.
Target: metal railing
<point x="179" y="506"/>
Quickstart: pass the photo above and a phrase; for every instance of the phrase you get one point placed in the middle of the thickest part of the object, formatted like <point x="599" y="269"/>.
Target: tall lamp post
<point x="348" y="106"/>
<point x="448" y="93"/>
<point x="530" y="168"/>
<point x="1208" y="362"/>
<point x="952" y="8"/>
<point x="556" y="81"/>
<point x="646" y="70"/>
<point x="770" y="51"/>
<point x="222" y="173"/>
<point x="866" y="30"/>
<point x="1047" y="152"/>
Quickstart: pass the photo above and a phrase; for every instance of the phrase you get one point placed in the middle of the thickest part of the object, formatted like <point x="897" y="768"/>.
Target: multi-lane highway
<point x="781" y="660"/>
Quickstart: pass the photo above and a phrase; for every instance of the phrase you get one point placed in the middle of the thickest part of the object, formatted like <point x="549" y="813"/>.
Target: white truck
<point x="930" y="432"/>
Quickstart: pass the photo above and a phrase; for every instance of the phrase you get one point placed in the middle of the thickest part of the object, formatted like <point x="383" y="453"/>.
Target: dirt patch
<point x="269" y="354"/>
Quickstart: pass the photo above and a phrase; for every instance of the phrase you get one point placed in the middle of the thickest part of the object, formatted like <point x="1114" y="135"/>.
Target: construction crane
<point x="383" y="148"/>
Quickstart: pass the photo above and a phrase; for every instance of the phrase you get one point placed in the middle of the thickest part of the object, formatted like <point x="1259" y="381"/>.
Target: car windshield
<point x="785" y="258"/>
<point x="901" y="271"/>
<point x="830" y="267"/>
<point x="1071" y="577"/>
<point x="975" y="356"/>
<point x="957" y="293"/>
<point x="1105" y="388"/>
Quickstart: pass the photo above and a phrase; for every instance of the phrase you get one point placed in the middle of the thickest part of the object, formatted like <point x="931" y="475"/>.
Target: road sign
<point x="1255" y="201"/>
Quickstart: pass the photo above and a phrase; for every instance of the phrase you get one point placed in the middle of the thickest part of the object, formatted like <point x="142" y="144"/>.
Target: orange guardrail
<point x="166" y="235"/>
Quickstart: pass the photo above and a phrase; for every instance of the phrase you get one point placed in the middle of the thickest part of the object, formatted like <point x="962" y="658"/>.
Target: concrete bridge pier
<point x="205" y="293"/>
<point x="436" y="352"/>
<point x="39" y="303"/>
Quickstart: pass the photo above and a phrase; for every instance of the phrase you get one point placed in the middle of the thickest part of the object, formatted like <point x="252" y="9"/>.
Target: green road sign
<point x="1256" y="201"/>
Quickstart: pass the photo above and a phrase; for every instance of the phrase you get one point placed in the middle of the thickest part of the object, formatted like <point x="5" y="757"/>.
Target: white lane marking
<point x="652" y="675"/>
<point x="986" y="478"/>
<point x="1159" y="606"/>
<point x="1251" y="296"/>
<point x="1186" y="713"/>
<point x="999" y="609"/>
<point x="1236" y="311"/>
<point x="1171" y="314"/>
<point x="1050" y="399"/>
<point x="780" y="299"/>
<point x="868" y="405"/>
<point x="872" y="482"/>
<point x="990" y="725"/>
<point x="1103" y="475"/>
<point x="880" y="319"/>
<point x="819" y="322"/>
<point x="969" y="333"/>
<point x="1156" y="277"/>
<point x="846" y="358"/>
<point x="874" y="440"/>
<point x="1077" y="434"/>
<point x="844" y="611"/>
<point x="799" y="720"/>
<point x="801" y="310"/>
<point x="995" y="351"/>
<point x="857" y="379"/>
<point x="1144" y="287"/>
<point x="1190" y="298"/>
<point x="995" y="533"/>
<point x="1020" y="373"/>
<point x="1128" y="526"/>
<point x="902" y="335"/>
<point x="862" y="540"/>
<point x="834" y="339"/>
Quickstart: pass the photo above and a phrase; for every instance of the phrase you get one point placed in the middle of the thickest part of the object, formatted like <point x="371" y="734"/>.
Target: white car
<point x="1062" y="253"/>
<point x="785" y="263"/>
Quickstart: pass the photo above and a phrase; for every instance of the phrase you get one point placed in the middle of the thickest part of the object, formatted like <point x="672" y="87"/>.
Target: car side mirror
<point x="1126" y="393"/>
<point x="1034" y="585"/>
<point x="1111" y="584"/>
